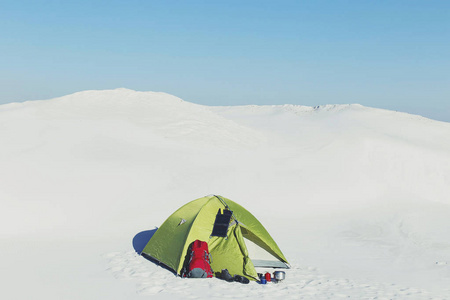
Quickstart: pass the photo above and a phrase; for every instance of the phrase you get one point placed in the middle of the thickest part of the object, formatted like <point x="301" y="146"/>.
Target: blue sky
<point x="386" y="54"/>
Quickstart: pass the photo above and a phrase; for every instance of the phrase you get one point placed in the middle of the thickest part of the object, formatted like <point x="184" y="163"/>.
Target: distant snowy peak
<point x="106" y="103"/>
<point x="337" y="107"/>
<point x="114" y="96"/>
<point x="172" y="118"/>
<point x="291" y="108"/>
<point x="300" y="109"/>
<point x="118" y="96"/>
<point x="356" y="110"/>
<point x="123" y="98"/>
<point x="122" y="93"/>
<point x="162" y="114"/>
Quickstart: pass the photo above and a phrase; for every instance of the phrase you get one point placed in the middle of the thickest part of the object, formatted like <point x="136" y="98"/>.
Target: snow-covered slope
<point x="356" y="197"/>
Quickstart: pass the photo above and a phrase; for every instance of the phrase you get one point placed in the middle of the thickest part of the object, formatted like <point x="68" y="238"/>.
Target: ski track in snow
<point x="302" y="282"/>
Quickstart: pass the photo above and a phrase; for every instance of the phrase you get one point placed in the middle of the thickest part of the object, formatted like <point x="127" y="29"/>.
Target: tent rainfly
<point x="237" y="241"/>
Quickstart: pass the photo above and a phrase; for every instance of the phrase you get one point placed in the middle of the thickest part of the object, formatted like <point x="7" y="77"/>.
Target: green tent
<point x="247" y="243"/>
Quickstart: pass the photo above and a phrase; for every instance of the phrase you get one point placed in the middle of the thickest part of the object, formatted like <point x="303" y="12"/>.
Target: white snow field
<point x="357" y="198"/>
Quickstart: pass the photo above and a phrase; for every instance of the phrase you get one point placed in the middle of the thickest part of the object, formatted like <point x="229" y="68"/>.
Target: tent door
<point x="261" y="258"/>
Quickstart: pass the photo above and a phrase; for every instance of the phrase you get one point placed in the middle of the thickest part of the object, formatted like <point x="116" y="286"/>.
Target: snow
<point x="356" y="197"/>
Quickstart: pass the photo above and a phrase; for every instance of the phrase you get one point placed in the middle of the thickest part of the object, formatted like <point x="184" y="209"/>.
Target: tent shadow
<point x="140" y="240"/>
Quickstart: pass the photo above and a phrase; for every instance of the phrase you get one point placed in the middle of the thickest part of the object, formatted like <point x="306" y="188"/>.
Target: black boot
<point x="241" y="279"/>
<point x="225" y="275"/>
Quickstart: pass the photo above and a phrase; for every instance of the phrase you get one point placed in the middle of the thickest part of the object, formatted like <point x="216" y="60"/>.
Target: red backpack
<point x="198" y="261"/>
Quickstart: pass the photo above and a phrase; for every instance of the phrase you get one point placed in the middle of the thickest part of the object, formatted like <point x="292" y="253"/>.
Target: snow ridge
<point x="356" y="197"/>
